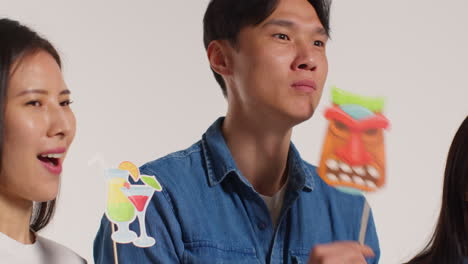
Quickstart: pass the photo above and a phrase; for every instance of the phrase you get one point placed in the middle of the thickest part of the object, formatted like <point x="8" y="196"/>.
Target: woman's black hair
<point x="449" y="243"/>
<point x="16" y="42"/>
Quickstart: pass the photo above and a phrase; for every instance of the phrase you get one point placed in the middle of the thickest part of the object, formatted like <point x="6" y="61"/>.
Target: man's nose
<point x="306" y="58"/>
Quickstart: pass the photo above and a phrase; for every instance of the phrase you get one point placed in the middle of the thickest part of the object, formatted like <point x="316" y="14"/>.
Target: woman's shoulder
<point x="58" y="253"/>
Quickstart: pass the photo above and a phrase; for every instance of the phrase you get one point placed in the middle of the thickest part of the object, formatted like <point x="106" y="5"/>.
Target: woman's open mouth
<point x="52" y="162"/>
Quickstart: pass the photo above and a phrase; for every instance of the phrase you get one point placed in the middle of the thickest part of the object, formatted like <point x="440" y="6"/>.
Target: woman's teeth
<point x="52" y="156"/>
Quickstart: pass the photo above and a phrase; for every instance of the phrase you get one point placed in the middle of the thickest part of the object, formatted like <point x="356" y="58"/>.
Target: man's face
<point x="279" y="67"/>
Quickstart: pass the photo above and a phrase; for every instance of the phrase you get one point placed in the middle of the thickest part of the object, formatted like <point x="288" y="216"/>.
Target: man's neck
<point x="259" y="150"/>
<point x="14" y="218"/>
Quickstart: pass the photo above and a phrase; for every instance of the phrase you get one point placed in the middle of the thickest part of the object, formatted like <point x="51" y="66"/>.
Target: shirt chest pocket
<point x="299" y="256"/>
<point x="203" y="252"/>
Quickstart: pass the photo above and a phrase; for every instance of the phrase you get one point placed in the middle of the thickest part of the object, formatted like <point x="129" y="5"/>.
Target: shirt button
<point x="262" y="225"/>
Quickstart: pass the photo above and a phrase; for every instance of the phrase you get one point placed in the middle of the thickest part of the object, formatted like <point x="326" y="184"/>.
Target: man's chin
<point x="305" y="113"/>
<point x="300" y="117"/>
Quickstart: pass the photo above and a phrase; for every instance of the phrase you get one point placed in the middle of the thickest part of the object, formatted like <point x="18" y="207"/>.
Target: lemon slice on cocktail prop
<point x="131" y="168"/>
<point x="151" y="181"/>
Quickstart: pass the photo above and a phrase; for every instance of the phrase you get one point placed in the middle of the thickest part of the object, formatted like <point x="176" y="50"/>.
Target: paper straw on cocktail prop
<point x="123" y="199"/>
<point x="97" y="158"/>
<point x="353" y="153"/>
<point x="119" y="210"/>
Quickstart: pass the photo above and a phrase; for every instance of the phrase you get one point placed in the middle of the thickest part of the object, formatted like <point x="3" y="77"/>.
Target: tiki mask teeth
<point x="338" y="172"/>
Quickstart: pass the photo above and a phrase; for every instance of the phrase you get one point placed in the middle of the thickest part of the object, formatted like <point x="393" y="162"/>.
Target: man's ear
<point x="219" y="57"/>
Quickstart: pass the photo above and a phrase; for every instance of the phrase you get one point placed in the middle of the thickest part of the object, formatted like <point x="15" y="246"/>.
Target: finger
<point x="346" y="259"/>
<point x="367" y="251"/>
<point x="364" y="250"/>
<point x="343" y="246"/>
<point x="340" y="252"/>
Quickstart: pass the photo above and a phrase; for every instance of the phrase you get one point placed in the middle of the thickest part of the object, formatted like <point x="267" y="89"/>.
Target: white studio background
<point x="142" y="89"/>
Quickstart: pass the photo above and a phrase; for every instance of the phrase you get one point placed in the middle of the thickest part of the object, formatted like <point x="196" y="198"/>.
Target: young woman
<point x="36" y="128"/>
<point x="449" y="244"/>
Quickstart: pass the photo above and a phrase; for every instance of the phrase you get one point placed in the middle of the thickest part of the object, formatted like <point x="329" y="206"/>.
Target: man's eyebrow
<point x="287" y="23"/>
<point x="279" y="22"/>
<point x="321" y="31"/>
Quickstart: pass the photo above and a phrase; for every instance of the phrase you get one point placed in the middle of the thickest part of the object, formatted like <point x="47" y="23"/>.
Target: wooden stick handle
<point x="364" y="221"/>
<point x="116" y="258"/>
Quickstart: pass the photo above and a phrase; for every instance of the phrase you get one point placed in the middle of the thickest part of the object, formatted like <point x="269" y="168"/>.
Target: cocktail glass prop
<point x="353" y="156"/>
<point x="140" y="195"/>
<point x="120" y="210"/>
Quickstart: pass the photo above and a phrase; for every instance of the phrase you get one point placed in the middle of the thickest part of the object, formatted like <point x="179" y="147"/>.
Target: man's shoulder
<point x="184" y="166"/>
<point x="175" y="160"/>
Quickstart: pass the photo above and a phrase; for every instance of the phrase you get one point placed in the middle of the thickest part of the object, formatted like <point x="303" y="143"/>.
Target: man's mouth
<point x="362" y="177"/>
<point x="305" y="86"/>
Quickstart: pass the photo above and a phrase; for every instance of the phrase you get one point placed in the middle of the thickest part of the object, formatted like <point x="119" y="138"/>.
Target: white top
<point x="275" y="203"/>
<point x="42" y="251"/>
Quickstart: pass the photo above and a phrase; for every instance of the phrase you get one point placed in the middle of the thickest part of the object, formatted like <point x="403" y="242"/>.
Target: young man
<point x="243" y="194"/>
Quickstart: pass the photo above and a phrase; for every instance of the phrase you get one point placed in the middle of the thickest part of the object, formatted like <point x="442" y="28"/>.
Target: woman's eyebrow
<point x="40" y="91"/>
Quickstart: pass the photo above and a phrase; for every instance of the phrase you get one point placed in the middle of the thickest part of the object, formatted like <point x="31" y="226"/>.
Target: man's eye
<point x="281" y="36"/>
<point x="34" y="103"/>
<point x="319" y="43"/>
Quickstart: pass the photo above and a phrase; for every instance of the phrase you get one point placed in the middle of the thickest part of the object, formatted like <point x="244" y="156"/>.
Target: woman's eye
<point x="66" y="103"/>
<point x="34" y="103"/>
<point x="281" y="36"/>
<point x="319" y="43"/>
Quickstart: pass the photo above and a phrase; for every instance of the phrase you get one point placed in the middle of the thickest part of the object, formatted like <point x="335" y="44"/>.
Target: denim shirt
<point x="208" y="212"/>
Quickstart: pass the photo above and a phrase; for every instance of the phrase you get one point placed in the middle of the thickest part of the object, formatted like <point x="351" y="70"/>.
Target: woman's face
<point x="39" y="126"/>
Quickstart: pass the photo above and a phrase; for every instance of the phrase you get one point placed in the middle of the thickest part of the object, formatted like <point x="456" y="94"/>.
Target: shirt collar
<point x="219" y="162"/>
<point x="218" y="159"/>
<point x="300" y="175"/>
